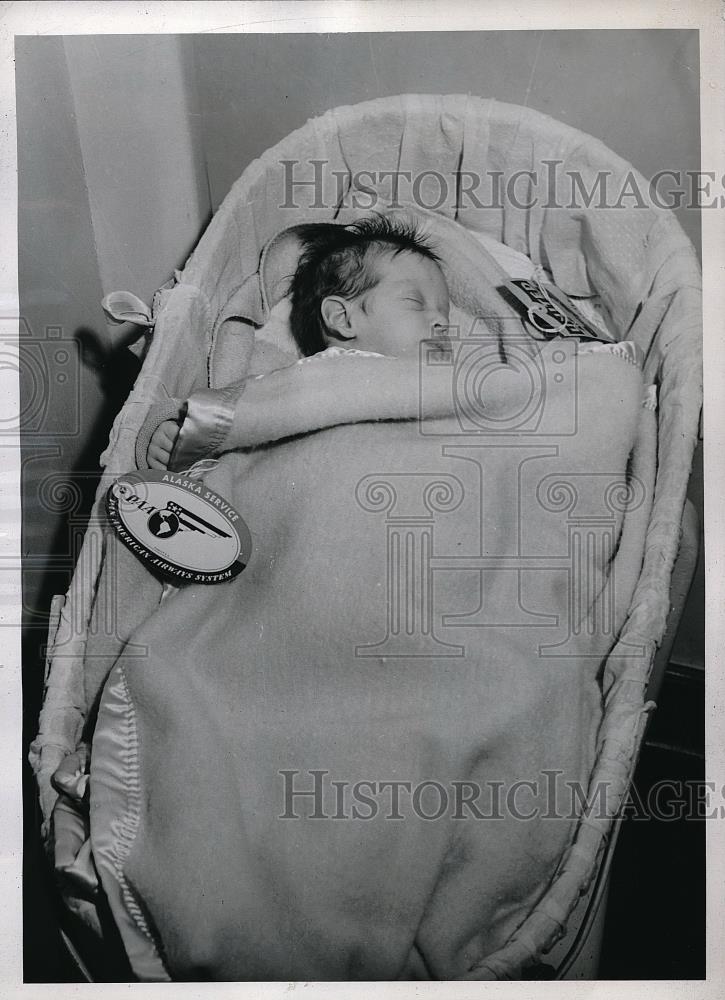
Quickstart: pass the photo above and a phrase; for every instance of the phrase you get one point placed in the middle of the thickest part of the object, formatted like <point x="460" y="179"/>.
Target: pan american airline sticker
<point x="551" y="312"/>
<point x="179" y="527"/>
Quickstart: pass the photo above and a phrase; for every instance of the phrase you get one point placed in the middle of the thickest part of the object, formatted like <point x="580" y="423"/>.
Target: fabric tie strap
<point x="125" y="307"/>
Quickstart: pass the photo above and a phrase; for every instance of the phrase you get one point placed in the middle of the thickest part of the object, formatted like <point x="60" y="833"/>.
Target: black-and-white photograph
<point x="363" y="579"/>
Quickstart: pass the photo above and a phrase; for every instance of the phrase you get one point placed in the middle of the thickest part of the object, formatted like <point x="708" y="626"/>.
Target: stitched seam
<point x="127" y="826"/>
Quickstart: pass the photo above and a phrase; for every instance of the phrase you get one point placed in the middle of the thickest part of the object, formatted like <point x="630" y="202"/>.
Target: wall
<point x="60" y="294"/>
<point x="112" y="195"/>
<point x="135" y="110"/>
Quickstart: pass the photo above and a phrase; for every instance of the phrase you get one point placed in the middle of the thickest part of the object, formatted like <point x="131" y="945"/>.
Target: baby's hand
<point x="162" y="443"/>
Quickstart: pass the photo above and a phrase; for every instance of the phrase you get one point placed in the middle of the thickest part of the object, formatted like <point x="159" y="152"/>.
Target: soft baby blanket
<point x="364" y="757"/>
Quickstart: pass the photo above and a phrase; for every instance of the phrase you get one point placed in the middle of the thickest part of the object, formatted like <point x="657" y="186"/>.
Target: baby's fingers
<point x="166" y="434"/>
<point x="158" y="457"/>
<point x="162" y="444"/>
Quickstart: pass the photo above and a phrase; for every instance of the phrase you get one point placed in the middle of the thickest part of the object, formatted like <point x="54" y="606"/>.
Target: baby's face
<point x="409" y="304"/>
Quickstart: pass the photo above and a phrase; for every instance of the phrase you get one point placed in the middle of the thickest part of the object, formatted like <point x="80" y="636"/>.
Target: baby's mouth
<point x="440" y="345"/>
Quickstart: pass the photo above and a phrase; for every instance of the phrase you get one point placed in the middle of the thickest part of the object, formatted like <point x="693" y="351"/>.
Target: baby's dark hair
<point x="339" y="260"/>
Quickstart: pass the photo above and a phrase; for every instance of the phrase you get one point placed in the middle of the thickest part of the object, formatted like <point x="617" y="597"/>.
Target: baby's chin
<point x="437" y="349"/>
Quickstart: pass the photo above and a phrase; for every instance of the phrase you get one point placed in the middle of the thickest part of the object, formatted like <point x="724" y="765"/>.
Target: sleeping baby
<point x="364" y="298"/>
<point x="376" y="284"/>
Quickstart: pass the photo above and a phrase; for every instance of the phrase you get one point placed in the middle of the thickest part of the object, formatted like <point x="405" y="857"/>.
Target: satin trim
<point x="208" y="416"/>
<point x="71" y="845"/>
<point x="115" y="819"/>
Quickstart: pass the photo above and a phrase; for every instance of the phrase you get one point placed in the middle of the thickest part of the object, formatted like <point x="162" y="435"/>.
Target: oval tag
<point x="179" y="527"/>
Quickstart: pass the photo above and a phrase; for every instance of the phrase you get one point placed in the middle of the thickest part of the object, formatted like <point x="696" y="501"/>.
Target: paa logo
<point x="181" y="529"/>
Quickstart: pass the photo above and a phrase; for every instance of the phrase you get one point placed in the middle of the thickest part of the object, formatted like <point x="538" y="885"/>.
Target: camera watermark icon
<point x="48" y="370"/>
<point x="499" y="385"/>
<point x="81" y="551"/>
<point x="409" y="502"/>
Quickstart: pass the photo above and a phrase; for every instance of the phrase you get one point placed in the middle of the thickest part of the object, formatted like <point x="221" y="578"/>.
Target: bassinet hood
<point x="450" y="149"/>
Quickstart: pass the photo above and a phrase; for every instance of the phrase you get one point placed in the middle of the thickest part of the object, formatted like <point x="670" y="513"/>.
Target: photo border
<point x="63" y="18"/>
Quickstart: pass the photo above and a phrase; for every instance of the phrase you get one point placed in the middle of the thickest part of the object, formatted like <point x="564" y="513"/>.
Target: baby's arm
<point x="295" y="400"/>
<point x="321" y="393"/>
<point x="354" y="388"/>
<point x="331" y="391"/>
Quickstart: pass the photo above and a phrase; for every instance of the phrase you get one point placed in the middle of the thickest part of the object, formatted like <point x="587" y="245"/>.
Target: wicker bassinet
<point x="636" y="258"/>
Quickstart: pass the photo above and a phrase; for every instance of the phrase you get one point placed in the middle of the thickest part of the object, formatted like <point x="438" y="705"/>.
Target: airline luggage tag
<point x="181" y="529"/>
<point x="552" y="313"/>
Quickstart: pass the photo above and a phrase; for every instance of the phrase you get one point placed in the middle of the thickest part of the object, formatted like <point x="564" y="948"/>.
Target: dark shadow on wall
<point x="71" y="495"/>
<point x="66" y="496"/>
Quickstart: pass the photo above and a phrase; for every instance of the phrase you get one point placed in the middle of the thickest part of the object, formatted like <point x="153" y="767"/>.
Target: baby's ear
<point x="336" y="315"/>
